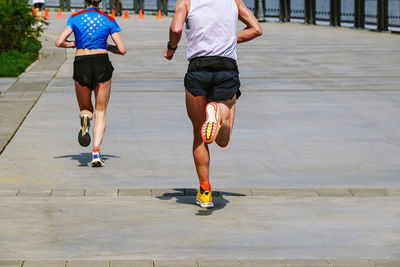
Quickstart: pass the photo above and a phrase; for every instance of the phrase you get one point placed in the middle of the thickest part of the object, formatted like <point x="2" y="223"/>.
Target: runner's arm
<point x="175" y="30"/>
<point x="253" y="28"/>
<point x="62" y="38"/>
<point x="119" y="48"/>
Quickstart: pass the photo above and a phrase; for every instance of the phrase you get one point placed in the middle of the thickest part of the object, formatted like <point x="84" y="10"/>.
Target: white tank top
<point x="211" y="29"/>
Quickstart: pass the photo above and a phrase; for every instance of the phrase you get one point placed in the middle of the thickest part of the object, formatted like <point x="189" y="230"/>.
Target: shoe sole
<point x="211" y="126"/>
<point x="208" y="205"/>
<point x="83" y="135"/>
<point x="98" y="164"/>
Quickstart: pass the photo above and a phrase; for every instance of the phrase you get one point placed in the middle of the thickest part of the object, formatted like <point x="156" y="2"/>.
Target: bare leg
<point x="84" y="97"/>
<point x="195" y="106"/>
<point x="38" y="12"/>
<point x="227" y="112"/>
<point x="102" y="94"/>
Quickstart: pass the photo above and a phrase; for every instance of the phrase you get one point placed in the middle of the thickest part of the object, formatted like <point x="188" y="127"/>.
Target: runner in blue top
<point x="92" y="68"/>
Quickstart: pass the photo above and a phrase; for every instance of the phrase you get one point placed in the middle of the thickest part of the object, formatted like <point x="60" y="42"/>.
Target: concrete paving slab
<point x="334" y="192"/>
<point x="298" y="192"/>
<point x="101" y="193"/>
<point x="67" y="193"/>
<point x="392" y="191"/>
<point x="175" y="263"/>
<point x="8" y="192"/>
<point x="368" y="192"/>
<point x="134" y="192"/>
<point x="304" y="263"/>
<point x="271" y="192"/>
<point x="5" y="83"/>
<point x="44" y="263"/>
<point x="387" y="263"/>
<point x="131" y="263"/>
<point x="349" y="263"/>
<point x="168" y="192"/>
<point x="10" y="263"/>
<point x="218" y="263"/>
<point x="233" y="191"/>
<point x="87" y="263"/>
<point x="111" y="228"/>
<point x="262" y="263"/>
<point x="34" y="193"/>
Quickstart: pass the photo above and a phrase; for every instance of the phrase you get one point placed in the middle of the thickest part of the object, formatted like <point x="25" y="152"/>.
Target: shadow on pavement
<point x="188" y="196"/>
<point x="85" y="158"/>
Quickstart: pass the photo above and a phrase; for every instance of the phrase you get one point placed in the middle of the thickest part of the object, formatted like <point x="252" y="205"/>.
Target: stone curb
<point x="19" y="99"/>
<point x="205" y="263"/>
<point x="233" y="192"/>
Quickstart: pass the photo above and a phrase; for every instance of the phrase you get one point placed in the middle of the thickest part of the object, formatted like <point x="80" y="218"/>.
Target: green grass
<point x="14" y="63"/>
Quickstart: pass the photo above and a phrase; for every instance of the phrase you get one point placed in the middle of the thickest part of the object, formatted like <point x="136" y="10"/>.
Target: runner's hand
<point x="169" y="53"/>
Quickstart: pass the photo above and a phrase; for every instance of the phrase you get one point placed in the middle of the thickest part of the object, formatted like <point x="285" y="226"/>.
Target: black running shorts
<point x="91" y="70"/>
<point x="217" y="78"/>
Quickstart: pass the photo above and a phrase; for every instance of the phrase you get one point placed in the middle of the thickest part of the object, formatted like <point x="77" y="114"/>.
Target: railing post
<point x="287" y="10"/>
<point x="356" y="13"/>
<point x="111" y="4"/>
<point x="335" y="12"/>
<point x="104" y="6"/>
<point x="259" y="10"/>
<point x="362" y="13"/>
<point x="313" y="11"/>
<point x="359" y="13"/>
<point x="382" y="19"/>
<point x="309" y="11"/>
<point x="68" y="5"/>
<point x="62" y="4"/>
<point x="282" y="10"/>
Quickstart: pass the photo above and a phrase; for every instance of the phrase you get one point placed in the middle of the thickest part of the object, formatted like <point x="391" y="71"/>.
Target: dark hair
<point x="93" y="2"/>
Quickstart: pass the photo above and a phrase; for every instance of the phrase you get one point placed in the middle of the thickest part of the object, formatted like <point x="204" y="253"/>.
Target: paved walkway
<point x="311" y="172"/>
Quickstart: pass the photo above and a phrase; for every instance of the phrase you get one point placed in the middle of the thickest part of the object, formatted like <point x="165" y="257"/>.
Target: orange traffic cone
<point x="101" y="10"/>
<point x="141" y="14"/>
<point x="59" y="15"/>
<point x="126" y="16"/>
<point x="46" y="14"/>
<point x="33" y="11"/>
<point x="159" y="15"/>
<point x="113" y="13"/>
<point x="73" y="11"/>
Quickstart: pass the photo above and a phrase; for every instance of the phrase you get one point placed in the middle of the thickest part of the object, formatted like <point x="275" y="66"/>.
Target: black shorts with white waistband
<point x="90" y="70"/>
<point x="215" y="77"/>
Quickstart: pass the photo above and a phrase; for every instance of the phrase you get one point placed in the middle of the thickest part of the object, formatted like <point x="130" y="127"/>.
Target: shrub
<point x="30" y="45"/>
<point x="19" y="45"/>
<point x="13" y="63"/>
<point x="17" y="26"/>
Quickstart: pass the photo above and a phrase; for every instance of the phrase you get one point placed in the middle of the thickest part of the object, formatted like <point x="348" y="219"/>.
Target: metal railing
<point x="381" y="15"/>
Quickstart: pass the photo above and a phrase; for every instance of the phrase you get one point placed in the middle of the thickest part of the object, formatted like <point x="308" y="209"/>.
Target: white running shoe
<point x="97" y="161"/>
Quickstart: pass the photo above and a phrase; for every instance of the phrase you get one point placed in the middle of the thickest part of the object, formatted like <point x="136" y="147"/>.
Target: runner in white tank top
<point x="38" y="4"/>
<point x="212" y="81"/>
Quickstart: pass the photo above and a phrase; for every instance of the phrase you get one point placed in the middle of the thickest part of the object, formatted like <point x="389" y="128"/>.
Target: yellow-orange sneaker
<point x="204" y="199"/>
<point x="211" y="126"/>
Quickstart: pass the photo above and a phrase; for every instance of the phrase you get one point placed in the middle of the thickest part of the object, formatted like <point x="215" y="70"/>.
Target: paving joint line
<point x="322" y="262"/>
<point x="218" y="192"/>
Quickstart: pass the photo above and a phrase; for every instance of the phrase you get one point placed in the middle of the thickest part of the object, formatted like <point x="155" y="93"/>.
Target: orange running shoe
<point x="213" y="122"/>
